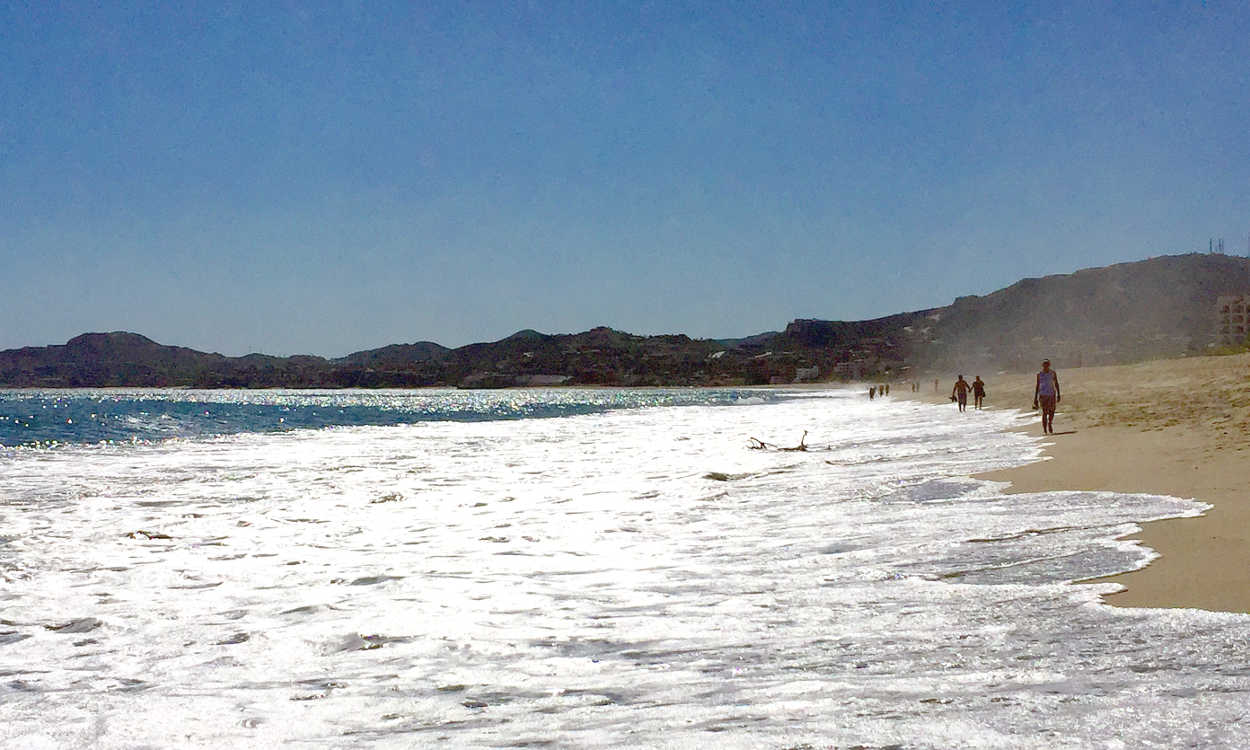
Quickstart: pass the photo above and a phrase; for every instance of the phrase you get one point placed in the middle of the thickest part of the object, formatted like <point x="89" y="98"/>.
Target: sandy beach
<point x="1175" y="427"/>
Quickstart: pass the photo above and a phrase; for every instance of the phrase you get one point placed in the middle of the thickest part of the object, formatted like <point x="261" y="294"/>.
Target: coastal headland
<point x="1161" y="307"/>
<point x="1178" y="427"/>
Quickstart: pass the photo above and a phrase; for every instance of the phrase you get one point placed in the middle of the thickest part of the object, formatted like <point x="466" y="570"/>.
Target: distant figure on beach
<point x="1046" y="394"/>
<point x="978" y="392"/>
<point x="887" y="389"/>
<point x="935" y="385"/>
<point x="960" y="393"/>
<point x="872" y="392"/>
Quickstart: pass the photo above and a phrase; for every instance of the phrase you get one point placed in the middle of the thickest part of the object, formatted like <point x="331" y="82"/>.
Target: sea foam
<point x="634" y="575"/>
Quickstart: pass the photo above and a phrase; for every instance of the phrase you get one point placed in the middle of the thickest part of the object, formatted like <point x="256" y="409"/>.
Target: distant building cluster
<point x="1233" y="314"/>
<point x="802" y="374"/>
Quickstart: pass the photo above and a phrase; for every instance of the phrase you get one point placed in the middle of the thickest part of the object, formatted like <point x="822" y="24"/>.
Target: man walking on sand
<point x="1047" y="395"/>
<point x="960" y="393"/>
<point x="978" y="392"/>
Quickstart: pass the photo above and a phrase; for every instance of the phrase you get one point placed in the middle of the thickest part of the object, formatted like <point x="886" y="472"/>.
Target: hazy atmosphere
<point x="327" y="177"/>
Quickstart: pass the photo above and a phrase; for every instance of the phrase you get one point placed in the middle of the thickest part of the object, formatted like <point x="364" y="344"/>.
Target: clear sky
<point x="309" y="177"/>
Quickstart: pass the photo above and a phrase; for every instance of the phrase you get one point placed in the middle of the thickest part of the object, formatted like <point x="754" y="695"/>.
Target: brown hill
<point x="1161" y="307"/>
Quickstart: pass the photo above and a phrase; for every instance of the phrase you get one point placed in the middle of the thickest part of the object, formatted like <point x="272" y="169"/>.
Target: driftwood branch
<point x="759" y="445"/>
<point x="802" y="446"/>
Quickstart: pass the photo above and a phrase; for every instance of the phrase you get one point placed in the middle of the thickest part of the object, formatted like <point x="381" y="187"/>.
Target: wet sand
<point x="1176" y="427"/>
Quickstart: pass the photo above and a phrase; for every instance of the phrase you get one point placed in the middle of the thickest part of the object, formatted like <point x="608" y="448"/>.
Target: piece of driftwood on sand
<point x="759" y="445"/>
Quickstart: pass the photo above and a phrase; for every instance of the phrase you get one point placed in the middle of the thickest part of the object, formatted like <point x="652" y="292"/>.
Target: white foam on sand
<point x="633" y="578"/>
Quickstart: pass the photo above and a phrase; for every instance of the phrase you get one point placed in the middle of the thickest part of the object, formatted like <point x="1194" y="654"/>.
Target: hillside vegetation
<point x="1161" y="307"/>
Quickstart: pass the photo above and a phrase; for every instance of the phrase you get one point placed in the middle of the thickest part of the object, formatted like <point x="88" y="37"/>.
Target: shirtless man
<point x="978" y="392"/>
<point x="960" y="392"/>
<point x="1047" y="395"/>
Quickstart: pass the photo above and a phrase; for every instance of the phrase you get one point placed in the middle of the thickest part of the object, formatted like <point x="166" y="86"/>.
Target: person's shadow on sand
<point x="1065" y="432"/>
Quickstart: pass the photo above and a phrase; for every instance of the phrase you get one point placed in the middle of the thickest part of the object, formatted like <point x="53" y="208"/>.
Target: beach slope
<point x="1176" y="427"/>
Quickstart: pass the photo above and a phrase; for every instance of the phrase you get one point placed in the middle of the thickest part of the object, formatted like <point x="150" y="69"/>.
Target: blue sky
<point x="321" y="178"/>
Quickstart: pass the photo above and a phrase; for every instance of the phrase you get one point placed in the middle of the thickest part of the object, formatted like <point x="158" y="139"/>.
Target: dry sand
<point x="1176" y="427"/>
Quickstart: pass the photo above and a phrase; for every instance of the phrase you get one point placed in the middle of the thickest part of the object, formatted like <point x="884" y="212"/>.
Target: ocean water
<point x="568" y="568"/>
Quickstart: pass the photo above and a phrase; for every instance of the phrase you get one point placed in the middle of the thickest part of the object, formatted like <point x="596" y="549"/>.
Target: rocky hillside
<point x="1161" y="307"/>
<point x="119" y="358"/>
<point x="599" y="356"/>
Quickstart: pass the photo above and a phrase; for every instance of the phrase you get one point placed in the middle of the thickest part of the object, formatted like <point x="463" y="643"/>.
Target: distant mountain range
<point x="1161" y="307"/>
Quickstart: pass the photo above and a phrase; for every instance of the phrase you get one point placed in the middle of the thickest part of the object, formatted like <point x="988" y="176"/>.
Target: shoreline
<point x="1176" y="427"/>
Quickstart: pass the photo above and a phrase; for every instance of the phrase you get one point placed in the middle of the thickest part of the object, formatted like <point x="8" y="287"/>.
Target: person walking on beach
<point x="978" y="392"/>
<point x="1046" y="394"/>
<point x="960" y="393"/>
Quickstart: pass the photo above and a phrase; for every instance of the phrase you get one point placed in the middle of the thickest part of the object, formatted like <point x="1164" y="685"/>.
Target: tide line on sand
<point x="1178" y="427"/>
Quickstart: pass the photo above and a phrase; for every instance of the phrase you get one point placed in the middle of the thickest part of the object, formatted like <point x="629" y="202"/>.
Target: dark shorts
<point x="1047" y="402"/>
<point x="963" y="398"/>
